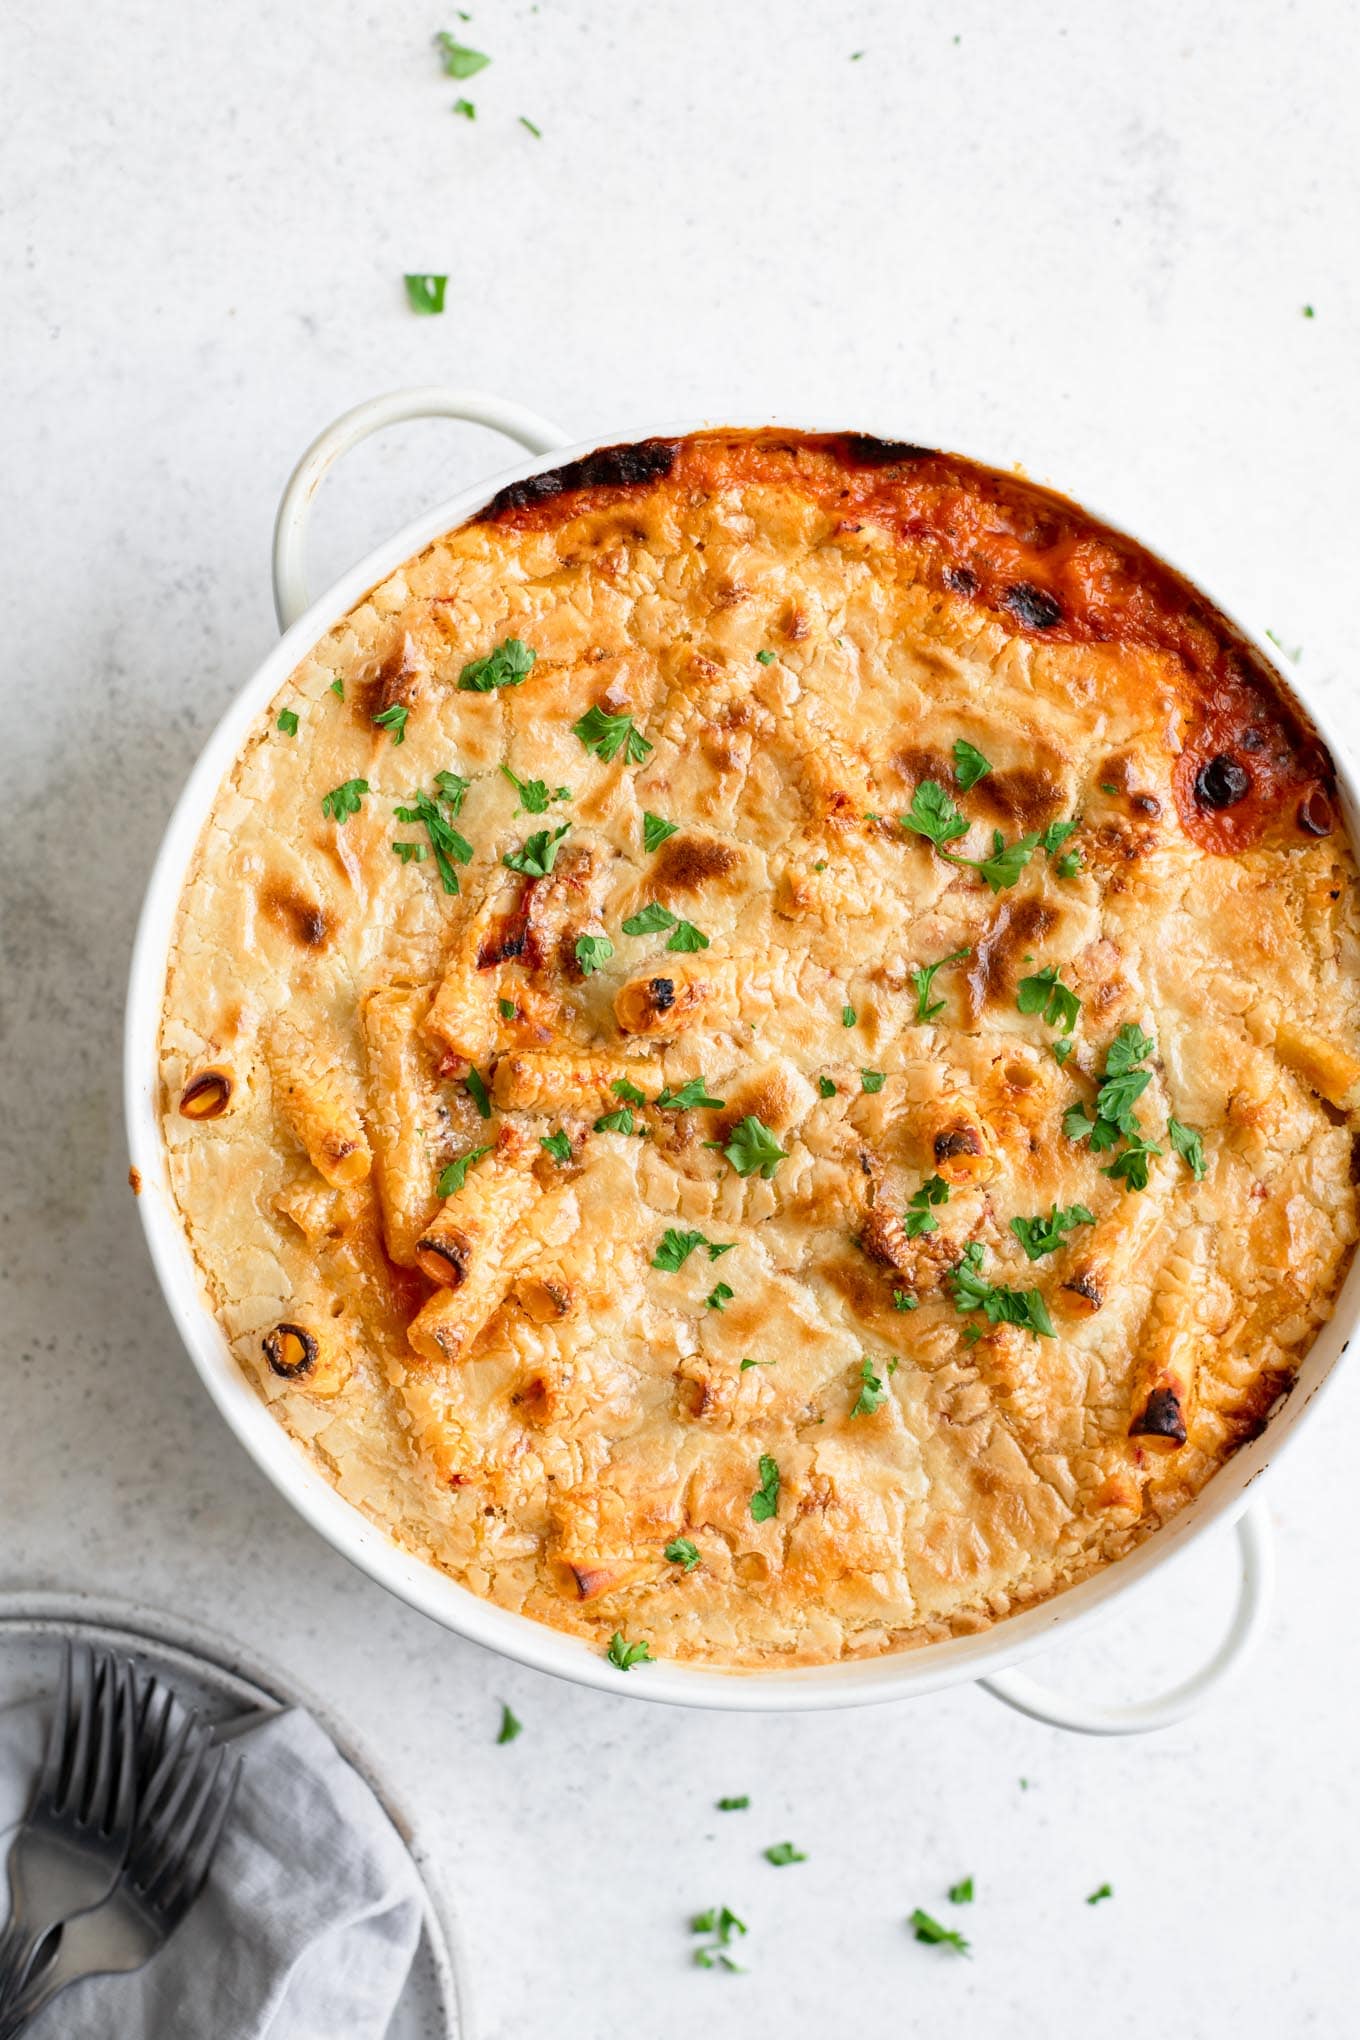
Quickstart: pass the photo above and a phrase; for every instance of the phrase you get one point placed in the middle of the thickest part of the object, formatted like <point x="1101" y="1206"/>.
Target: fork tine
<point x="161" y="1873"/>
<point x="49" y="1779"/>
<point x="95" y="1801"/>
<point x="165" y="1795"/>
<point x="124" y="1805"/>
<point x="76" y="1766"/>
<point x="153" y="1722"/>
<point x="202" y="1851"/>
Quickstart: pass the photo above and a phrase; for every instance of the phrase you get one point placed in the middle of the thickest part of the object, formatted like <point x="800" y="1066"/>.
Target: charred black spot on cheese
<point x="291" y="1351"/>
<point x="1033" y="607"/>
<point x="308" y="923"/>
<point x="1316" y="817"/>
<point x="955" y="1141"/>
<point x="1259" y="1403"/>
<point x="445" y="1257"/>
<point x="206" y="1096"/>
<point x="663" y="993"/>
<point x="1222" y="782"/>
<point x="962" y="580"/>
<point x="609" y="467"/>
<point x="1085" y="1286"/>
<point x="687" y="863"/>
<point x="861" y="449"/>
<point x="1162" y="1418"/>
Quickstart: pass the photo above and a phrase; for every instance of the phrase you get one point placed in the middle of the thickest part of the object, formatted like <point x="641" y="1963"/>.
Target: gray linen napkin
<point x="309" y="1923"/>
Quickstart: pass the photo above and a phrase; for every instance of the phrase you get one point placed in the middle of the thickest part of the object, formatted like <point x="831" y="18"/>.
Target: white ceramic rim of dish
<point x="987" y="1657"/>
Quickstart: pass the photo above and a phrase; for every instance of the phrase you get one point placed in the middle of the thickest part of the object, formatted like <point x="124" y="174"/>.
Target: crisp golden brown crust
<point x="750" y="1131"/>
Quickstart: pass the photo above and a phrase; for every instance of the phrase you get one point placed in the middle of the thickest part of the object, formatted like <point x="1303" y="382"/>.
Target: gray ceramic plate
<point x="222" y="1680"/>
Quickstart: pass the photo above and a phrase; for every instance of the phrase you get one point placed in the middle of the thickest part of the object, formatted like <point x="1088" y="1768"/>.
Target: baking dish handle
<point x="1029" y="1696"/>
<point x="472" y="407"/>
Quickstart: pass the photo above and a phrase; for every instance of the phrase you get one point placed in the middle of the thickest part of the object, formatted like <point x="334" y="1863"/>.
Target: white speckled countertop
<point x="1082" y="235"/>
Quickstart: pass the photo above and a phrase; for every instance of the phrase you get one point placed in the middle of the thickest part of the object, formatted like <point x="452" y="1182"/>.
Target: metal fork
<point x="76" y="1835"/>
<point x="185" y="1810"/>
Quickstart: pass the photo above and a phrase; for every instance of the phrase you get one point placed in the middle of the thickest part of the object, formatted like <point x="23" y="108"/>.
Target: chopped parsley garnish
<point x="655" y="830"/>
<point x="346" y="800"/>
<point x="625" y="1655"/>
<point x="411" y="853"/>
<point x="922" y="979"/>
<point x="606" y="735"/>
<point x="872" y="1393"/>
<point x="478" y="1093"/>
<point x="751" y="1146"/>
<point x="754" y="1363"/>
<point x="825" y="1087"/>
<point x="691" y="1097"/>
<point x="536" y="132"/>
<point x="930" y="1931"/>
<point x="737" y="1803"/>
<point x="288" y="722"/>
<point x="1103" y="1891"/>
<point x="780" y="1853"/>
<point x="872" y="1080"/>
<point x="676" y="1248"/>
<point x="1120" y="1089"/>
<point x="904" y="1300"/>
<point x="533" y="793"/>
<point x="629" y="1093"/>
<point x="969" y="765"/>
<point x="1108" y="786"/>
<point x="720" y="1296"/>
<point x="466" y="108"/>
<point x="1046" y="994"/>
<point x="1006" y="862"/>
<point x="722" y="1921"/>
<point x="436" y="813"/>
<point x="507" y="1008"/>
<point x="765" y="658"/>
<point x="616" y="1122"/>
<point x="1055" y="835"/>
<point x="933" y="814"/>
<point x="593" y="953"/>
<point x="338" y="688"/>
<point x="1070" y="865"/>
<point x="654" y="917"/>
<point x="848" y="1016"/>
<point x="457" y="59"/>
<point x="455" y="1175"/>
<point x="1189" y="1145"/>
<point x="1131" y="1166"/>
<point x="426" y="293"/>
<point x="511" y="1725"/>
<point x="680" y="1551"/>
<point x="765" y="1500"/>
<point x="1025" y="1307"/>
<point x="537" y="855"/>
<point x="918" y="1217"/>
<point x="962" y="1892"/>
<point x="1292" y="652"/>
<point x="1061" y="1050"/>
<point x="1039" y="1236"/>
<point x="393" y="719"/>
<point x="508" y="664"/>
<point x="557" y="1145"/>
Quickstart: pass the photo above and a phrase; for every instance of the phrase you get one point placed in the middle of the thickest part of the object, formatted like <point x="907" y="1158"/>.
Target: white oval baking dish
<point x="989" y="1657"/>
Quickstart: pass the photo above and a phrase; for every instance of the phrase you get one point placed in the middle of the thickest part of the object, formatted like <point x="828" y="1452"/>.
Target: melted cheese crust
<point x="802" y="629"/>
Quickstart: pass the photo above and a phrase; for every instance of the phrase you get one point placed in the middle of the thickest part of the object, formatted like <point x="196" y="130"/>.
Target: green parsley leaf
<point x="969" y="765"/>
<point x="287" y="722"/>
<point x="466" y="108"/>
<point x="1024" y="1307"/>
<point x="650" y="921"/>
<point x="478" y="1094"/>
<point x="765" y="658"/>
<point x="752" y="1146"/>
<point x="411" y="853"/>
<point x="615" y="1122"/>
<point x="1129" y="1046"/>
<point x="917" y="1219"/>
<point x="457" y="59"/>
<point x="394" y="719"/>
<point x="625" y="1655"/>
<point x="1069" y="866"/>
<point x="345" y="800"/>
<point x="820" y="865"/>
<point x="507" y="664"/>
<point x="872" y="1392"/>
<point x="557" y="1145"/>
<point x="848" y="1016"/>
<point x="1131" y="1166"/>
<point x="676" y="1248"/>
<point x="687" y="938"/>
<point x="436" y="814"/>
<point x="1039" y="1236"/>
<point x="754" y="1363"/>
<point x="780" y="1853"/>
<point x="593" y="953"/>
<point x="1117" y="1096"/>
<point x="1103" y="1891"/>
<point x="1292" y="652"/>
<point x="1108" y="786"/>
<point x="425" y="294"/>
<point x="1189" y="1145"/>
<point x="691" y="1097"/>
<point x="511" y="1725"/>
<point x="1055" y="835"/>
<point x="606" y="735"/>
<point x="825" y="1087"/>
<point x="930" y="1931"/>
<point x="537" y="855"/>
<point x="923" y="978"/>
<point x="720" y="1296"/>
<point x="1308" y="312"/>
<point x="455" y="1175"/>
<point x="655" y="830"/>
<point x="629" y="1093"/>
<point x="1045" y="993"/>
<point x="680" y="1551"/>
<point x="1007" y="860"/>
<point x="962" y="1892"/>
<point x="872" y="1080"/>
<point x="719" y="1920"/>
<point x="737" y="1804"/>
<point x="338" y="688"/>
<point x="1076" y="1125"/>
<point x="508" y="1008"/>
<point x="536" y="132"/>
<point x="1061" y="1050"/>
<point x="902" y="1299"/>
<point x="765" y="1500"/>
<point x="933" y="814"/>
<point x="533" y="793"/>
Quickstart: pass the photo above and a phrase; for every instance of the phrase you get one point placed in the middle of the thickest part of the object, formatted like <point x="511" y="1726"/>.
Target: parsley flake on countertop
<point x="393" y="720"/>
<point x="922" y="978"/>
<point x="347" y="799"/>
<point x="536" y="132"/>
<point x="593" y="953"/>
<point x="683" y="1552"/>
<point x="872" y="1393"/>
<point x="507" y="664"/>
<point x="737" y="1803"/>
<point x="425" y="294"/>
<point x="655" y="831"/>
<point x="288" y="722"/>
<point x="962" y="1892"/>
<point x="932" y="814"/>
<point x="625" y="1655"/>
<point x="933" y="1934"/>
<point x="1046" y="994"/>
<point x="1025" y="1307"/>
<point x="969" y="765"/>
<point x="1039" y="1236"/>
<point x="435" y="812"/>
<point x="455" y="1175"/>
<point x="751" y="1146"/>
<point x="606" y="735"/>
<point x="780" y="1853"/>
<point x="511" y="1725"/>
<point x="557" y="1145"/>
<point x="723" y="1922"/>
<point x="765" y="1500"/>
<point x="457" y="59"/>
<point x="466" y="108"/>
<point x="1104" y="1891"/>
